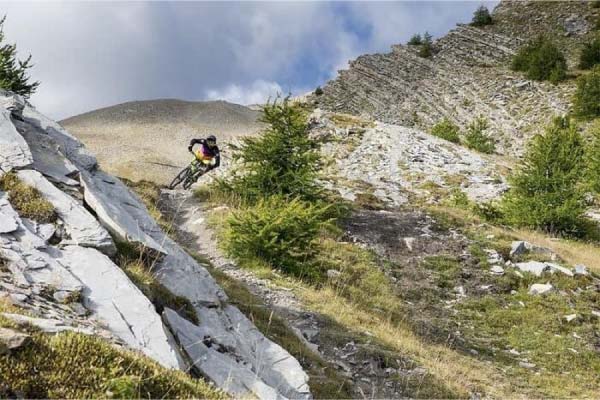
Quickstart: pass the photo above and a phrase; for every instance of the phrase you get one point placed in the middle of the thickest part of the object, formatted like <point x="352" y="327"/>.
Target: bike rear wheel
<point x="181" y="176"/>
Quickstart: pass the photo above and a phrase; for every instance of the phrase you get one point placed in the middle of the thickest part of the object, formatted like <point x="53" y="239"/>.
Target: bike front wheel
<point x="181" y="176"/>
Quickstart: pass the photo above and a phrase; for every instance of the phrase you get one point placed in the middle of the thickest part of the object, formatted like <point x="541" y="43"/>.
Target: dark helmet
<point x="211" y="140"/>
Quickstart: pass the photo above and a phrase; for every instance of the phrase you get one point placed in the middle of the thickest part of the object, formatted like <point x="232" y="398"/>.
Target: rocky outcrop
<point x="397" y="162"/>
<point x="63" y="275"/>
<point x="467" y="76"/>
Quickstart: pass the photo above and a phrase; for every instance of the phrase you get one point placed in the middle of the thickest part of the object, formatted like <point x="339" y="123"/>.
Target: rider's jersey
<point x="206" y="154"/>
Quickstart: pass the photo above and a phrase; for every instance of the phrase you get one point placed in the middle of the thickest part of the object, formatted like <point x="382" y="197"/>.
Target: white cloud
<point x="255" y="93"/>
<point x="94" y="54"/>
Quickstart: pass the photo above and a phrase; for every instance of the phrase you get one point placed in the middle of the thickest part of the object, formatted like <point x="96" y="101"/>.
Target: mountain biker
<point x="208" y="152"/>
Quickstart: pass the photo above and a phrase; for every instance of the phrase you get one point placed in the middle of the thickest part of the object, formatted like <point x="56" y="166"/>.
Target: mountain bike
<point x="190" y="174"/>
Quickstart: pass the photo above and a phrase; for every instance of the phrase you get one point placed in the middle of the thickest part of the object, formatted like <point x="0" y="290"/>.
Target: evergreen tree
<point x="476" y="138"/>
<point x="481" y="17"/>
<point x="426" y="50"/>
<point x="415" y="40"/>
<point x="541" y="60"/>
<point x="547" y="192"/>
<point x="282" y="161"/>
<point x="13" y="73"/>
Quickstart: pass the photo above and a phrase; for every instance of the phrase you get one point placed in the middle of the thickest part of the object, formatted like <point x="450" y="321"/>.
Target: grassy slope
<point x="72" y="365"/>
<point x="497" y="322"/>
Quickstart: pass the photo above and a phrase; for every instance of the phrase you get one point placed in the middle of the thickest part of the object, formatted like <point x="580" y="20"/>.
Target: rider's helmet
<point x="211" y="140"/>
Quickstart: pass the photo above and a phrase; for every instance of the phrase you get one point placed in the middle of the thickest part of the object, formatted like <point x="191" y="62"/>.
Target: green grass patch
<point x="535" y="327"/>
<point x="446" y="268"/>
<point x="446" y="130"/>
<point x="26" y="200"/>
<point x="71" y="365"/>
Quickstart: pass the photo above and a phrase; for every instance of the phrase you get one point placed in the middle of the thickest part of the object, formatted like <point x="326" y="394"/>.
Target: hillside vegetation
<point x="460" y="301"/>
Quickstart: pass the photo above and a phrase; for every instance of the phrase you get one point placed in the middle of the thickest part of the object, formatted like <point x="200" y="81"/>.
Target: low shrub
<point x="590" y="54"/>
<point x="586" y="101"/>
<point x="445" y="129"/>
<point x="547" y="192"/>
<point x="541" y="60"/>
<point x="476" y="138"/>
<point x="279" y="231"/>
<point x="318" y="91"/>
<point x="26" y="200"/>
<point x="481" y="17"/>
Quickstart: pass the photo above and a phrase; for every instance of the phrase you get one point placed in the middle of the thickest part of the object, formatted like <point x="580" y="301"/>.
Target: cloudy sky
<point x="89" y="55"/>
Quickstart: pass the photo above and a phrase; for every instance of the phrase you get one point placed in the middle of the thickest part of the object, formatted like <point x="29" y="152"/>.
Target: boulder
<point x="236" y="378"/>
<point x="273" y="363"/>
<point x="83" y="229"/>
<point x="47" y="157"/>
<point x="534" y="267"/>
<point x="521" y="247"/>
<point x="538" y="268"/>
<point x="11" y="340"/>
<point x="497" y="270"/>
<point x="114" y="299"/>
<point x="540" y="288"/>
<point x="517" y="248"/>
<point x="8" y="218"/>
<point x="494" y="257"/>
<point x="581" y="270"/>
<point x="110" y="200"/>
<point x="70" y="147"/>
<point x="559" y="268"/>
<point x="29" y="257"/>
<point x="14" y="151"/>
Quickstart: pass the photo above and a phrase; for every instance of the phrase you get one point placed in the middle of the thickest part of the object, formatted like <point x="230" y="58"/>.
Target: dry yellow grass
<point x="461" y="373"/>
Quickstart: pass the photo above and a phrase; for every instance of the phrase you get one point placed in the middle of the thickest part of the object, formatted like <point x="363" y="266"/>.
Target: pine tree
<point x="481" y="17"/>
<point x="547" y="193"/>
<point x="476" y="138"/>
<point x="426" y="50"/>
<point x="282" y="161"/>
<point x="13" y="73"/>
<point x="541" y="60"/>
<point x="415" y="40"/>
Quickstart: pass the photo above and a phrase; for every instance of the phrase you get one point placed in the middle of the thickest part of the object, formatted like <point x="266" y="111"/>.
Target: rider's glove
<point x="190" y="148"/>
